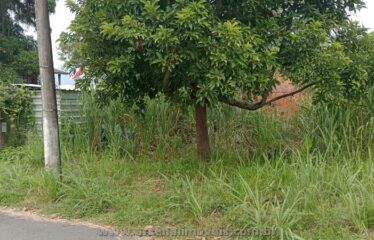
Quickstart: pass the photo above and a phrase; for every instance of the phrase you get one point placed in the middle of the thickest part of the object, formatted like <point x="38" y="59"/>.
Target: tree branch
<point x="263" y="102"/>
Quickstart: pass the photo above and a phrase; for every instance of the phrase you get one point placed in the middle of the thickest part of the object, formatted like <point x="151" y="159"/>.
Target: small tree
<point x="204" y="52"/>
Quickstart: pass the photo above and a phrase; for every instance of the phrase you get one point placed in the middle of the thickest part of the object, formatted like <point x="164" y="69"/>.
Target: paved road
<point x="23" y="228"/>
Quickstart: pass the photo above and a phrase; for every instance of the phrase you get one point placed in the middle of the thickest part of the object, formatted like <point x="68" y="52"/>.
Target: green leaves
<point x="18" y="59"/>
<point x="134" y="29"/>
<point x="16" y="110"/>
<point x="204" y="51"/>
<point x="331" y="59"/>
<point x="151" y="10"/>
<point x="193" y="14"/>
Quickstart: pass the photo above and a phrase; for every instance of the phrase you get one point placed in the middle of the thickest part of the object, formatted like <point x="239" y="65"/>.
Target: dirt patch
<point x="287" y="106"/>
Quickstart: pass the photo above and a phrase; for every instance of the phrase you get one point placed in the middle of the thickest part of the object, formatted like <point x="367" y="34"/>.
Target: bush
<point x="16" y="110"/>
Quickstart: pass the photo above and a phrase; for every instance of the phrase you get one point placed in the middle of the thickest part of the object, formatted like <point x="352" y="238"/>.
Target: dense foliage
<point x="14" y="13"/>
<point x="15" y="110"/>
<point x="18" y="53"/>
<point x="18" y="59"/>
<point x="208" y="51"/>
<point x="202" y="52"/>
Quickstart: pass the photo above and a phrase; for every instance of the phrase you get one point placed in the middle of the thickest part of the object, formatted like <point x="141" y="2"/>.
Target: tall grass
<point x="311" y="176"/>
<point x="165" y="131"/>
<point x="344" y="130"/>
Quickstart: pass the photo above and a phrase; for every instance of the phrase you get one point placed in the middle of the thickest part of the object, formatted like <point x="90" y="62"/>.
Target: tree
<point x="18" y="59"/>
<point x="13" y="13"/>
<point x="18" y="52"/>
<point x="206" y="52"/>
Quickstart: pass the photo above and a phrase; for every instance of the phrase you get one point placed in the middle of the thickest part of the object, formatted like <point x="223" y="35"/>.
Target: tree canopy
<point x="18" y="55"/>
<point x="208" y="51"/>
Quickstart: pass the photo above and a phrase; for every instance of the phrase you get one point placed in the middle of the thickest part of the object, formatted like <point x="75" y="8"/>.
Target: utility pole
<point x="51" y="139"/>
<point x="1" y="132"/>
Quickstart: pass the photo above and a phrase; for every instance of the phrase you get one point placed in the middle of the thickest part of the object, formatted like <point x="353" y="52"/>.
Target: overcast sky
<point x="62" y="18"/>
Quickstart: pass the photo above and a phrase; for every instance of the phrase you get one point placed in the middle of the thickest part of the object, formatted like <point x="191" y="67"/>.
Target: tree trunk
<point x="202" y="137"/>
<point x="50" y="118"/>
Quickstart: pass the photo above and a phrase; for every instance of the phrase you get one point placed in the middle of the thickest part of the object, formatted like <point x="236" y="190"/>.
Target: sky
<point x="366" y="16"/>
<point x="62" y="18"/>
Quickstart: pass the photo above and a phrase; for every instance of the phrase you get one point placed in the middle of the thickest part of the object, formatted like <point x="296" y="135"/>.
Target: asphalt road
<point x="23" y="228"/>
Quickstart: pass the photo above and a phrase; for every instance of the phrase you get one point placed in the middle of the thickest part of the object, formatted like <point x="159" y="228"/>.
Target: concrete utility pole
<point x="51" y="140"/>
<point x="1" y="133"/>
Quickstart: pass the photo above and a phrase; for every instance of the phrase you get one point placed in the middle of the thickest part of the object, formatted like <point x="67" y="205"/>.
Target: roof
<point x="35" y="86"/>
<point x="30" y="86"/>
<point x="67" y="87"/>
<point x="58" y="71"/>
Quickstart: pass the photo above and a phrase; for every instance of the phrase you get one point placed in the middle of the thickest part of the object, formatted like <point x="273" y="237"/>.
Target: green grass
<point x="312" y="176"/>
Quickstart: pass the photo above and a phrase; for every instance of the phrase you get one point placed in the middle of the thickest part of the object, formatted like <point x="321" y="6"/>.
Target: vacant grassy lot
<point x="310" y="176"/>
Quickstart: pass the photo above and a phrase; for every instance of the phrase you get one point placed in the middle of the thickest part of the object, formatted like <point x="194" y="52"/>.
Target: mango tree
<point x="205" y="52"/>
